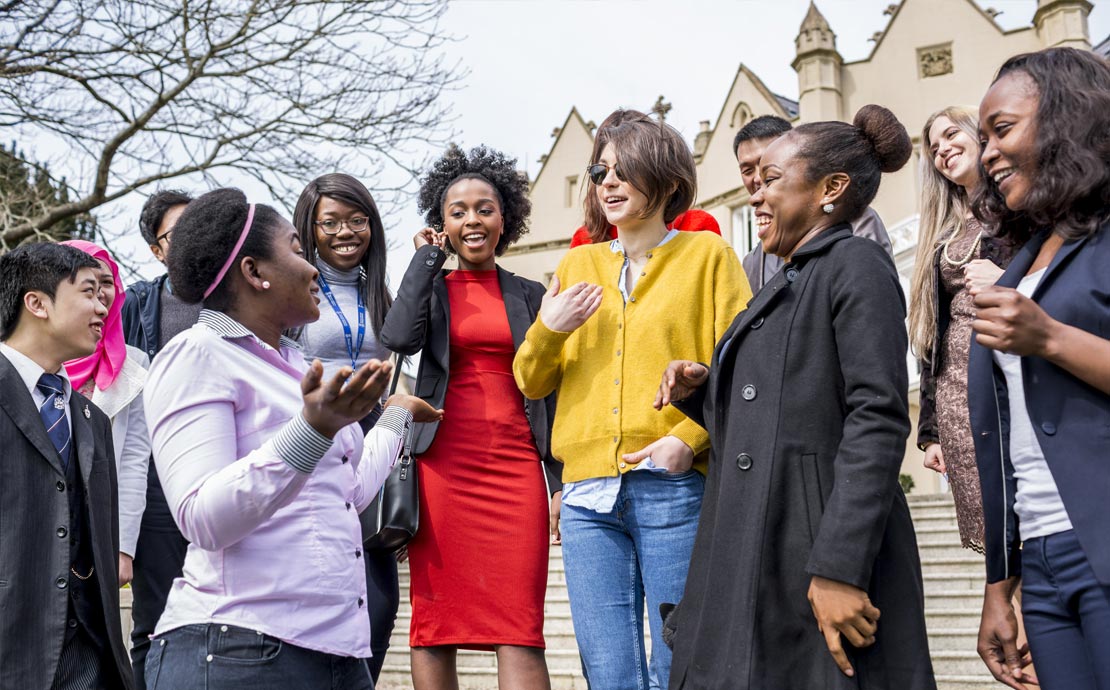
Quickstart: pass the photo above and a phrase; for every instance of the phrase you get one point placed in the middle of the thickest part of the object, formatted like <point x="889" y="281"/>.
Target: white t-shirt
<point x="1038" y="506"/>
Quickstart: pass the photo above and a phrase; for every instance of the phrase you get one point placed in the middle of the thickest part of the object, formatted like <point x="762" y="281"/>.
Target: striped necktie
<point x="53" y="413"/>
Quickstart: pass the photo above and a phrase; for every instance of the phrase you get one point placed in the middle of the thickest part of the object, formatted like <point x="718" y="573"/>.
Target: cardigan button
<point x="1048" y="428"/>
<point x="758" y="323"/>
<point x="748" y="392"/>
<point x="632" y="299"/>
<point x="744" y="462"/>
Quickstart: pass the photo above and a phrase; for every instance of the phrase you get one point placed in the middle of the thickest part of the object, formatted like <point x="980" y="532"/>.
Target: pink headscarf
<point x="107" y="360"/>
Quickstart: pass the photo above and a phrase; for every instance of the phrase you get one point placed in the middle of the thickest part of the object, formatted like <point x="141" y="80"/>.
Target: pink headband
<point x="234" y="252"/>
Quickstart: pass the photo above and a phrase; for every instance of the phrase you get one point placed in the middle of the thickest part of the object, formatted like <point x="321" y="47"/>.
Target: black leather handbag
<point x="391" y="520"/>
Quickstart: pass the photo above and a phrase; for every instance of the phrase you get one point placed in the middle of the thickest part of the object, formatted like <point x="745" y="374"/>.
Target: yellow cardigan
<point x="607" y="372"/>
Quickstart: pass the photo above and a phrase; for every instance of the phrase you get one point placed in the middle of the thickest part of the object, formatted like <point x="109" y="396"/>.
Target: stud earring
<point x="265" y="285"/>
<point x="828" y="208"/>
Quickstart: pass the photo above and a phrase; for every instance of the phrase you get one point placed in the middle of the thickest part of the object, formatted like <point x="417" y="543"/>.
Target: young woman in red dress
<point x="479" y="560"/>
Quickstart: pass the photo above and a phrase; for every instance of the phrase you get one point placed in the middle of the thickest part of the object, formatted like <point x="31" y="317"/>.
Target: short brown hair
<point x="654" y="159"/>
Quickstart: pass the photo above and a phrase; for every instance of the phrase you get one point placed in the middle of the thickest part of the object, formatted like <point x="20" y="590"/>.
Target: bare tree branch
<point x="139" y="92"/>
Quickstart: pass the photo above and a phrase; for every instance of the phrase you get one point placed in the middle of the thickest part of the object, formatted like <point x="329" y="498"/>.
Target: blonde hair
<point x="944" y="209"/>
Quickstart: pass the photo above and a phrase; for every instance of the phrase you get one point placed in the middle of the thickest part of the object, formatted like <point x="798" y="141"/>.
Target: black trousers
<point x="384" y="596"/>
<point x="159" y="557"/>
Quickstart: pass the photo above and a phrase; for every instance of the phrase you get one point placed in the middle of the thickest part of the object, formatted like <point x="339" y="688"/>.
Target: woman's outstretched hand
<point x="841" y="609"/>
<point x="680" y="379"/>
<point x="331" y="405"/>
<point x="421" y="411"/>
<point x="564" y="312"/>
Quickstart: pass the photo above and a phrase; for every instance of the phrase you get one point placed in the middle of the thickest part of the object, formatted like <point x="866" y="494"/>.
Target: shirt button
<point x="748" y="392"/>
<point x="61" y="583"/>
<point x="361" y="601"/>
<point x="61" y="486"/>
<point x="62" y="532"/>
<point x="345" y="458"/>
<point x="358" y="553"/>
<point x="348" y="504"/>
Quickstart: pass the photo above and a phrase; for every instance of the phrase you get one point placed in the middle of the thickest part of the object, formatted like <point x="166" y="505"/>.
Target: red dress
<point x="479" y="560"/>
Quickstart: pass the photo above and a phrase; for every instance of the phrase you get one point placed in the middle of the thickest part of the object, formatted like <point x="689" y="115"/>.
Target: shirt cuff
<point x="395" y="418"/>
<point x="300" y="446"/>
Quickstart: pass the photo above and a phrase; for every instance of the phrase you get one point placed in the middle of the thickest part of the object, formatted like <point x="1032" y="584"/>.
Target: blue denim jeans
<point x="1067" y="614"/>
<point x="613" y="560"/>
<point x="225" y="657"/>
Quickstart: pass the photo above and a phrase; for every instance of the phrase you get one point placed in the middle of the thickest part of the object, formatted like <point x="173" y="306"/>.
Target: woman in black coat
<point x="805" y="536"/>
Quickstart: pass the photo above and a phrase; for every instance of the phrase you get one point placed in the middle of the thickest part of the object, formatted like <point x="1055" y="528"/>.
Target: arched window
<point x="740" y="115"/>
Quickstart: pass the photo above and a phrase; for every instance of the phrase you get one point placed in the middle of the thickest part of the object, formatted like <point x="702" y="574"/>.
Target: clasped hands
<point x="351" y="395"/>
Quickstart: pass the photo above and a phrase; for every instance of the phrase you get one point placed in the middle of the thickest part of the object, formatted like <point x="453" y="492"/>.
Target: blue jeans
<point x="614" y="559"/>
<point x="218" y="657"/>
<point x="1067" y="614"/>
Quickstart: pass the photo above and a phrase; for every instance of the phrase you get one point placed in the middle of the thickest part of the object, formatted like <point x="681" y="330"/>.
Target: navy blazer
<point x="1070" y="418"/>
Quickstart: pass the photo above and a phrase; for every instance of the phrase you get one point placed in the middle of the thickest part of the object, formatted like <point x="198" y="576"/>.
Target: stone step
<point x="960" y="663"/>
<point x="396" y="677"/>
<point x="949" y="681"/>
<point x="948" y="618"/>
<point x="953" y="639"/>
<point x="956" y="598"/>
<point x="970" y="564"/>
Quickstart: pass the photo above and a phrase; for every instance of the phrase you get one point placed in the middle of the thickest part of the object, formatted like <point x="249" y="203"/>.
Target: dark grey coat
<point x="33" y="560"/>
<point x="419" y="321"/>
<point x="807" y="413"/>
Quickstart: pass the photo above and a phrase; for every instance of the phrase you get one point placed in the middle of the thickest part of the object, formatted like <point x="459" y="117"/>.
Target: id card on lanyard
<point x="354" y="347"/>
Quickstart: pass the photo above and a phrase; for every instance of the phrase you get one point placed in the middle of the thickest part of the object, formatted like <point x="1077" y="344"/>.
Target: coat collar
<point x="17" y="402"/>
<point x="127" y="386"/>
<point x="1024" y="259"/>
<point x="823" y="241"/>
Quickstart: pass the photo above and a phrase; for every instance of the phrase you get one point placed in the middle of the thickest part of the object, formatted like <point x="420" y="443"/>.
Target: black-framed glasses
<point x="598" y="171"/>
<point x="332" y="227"/>
<point x="164" y="236"/>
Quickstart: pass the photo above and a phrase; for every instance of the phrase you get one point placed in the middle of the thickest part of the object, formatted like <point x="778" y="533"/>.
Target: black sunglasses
<point x="598" y="171"/>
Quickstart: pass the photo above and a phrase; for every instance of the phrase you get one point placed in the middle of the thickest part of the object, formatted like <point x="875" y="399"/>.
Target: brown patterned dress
<point x="953" y="424"/>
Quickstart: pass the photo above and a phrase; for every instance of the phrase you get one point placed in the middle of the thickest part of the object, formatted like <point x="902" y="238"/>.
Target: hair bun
<point x="887" y="135"/>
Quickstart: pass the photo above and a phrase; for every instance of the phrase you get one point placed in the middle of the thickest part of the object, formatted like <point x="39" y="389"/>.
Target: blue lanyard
<point x="353" y="350"/>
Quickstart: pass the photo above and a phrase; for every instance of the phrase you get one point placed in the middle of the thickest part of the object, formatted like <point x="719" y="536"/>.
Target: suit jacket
<point x="34" y="561"/>
<point x="420" y="320"/>
<point x="806" y="408"/>
<point x="1071" y="418"/>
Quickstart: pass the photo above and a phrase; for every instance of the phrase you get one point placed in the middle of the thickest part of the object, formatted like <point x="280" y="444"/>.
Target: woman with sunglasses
<point x="479" y="559"/>
<point x="634" y="477"/>
<point x="341" y="233"/>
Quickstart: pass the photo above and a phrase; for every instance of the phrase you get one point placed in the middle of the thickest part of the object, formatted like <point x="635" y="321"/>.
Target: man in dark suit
<point x="59" y="541"/>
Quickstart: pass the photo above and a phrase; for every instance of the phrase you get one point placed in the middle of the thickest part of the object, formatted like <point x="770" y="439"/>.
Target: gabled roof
<point x="902" y="3"/>
<point x="572" y="117"/>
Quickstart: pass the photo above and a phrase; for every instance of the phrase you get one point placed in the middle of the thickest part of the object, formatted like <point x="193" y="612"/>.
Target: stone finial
<point x="815" y="33"/>
<point x="661" y="108"/>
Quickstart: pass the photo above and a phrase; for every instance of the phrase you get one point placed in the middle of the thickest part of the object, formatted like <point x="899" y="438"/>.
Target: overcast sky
<point x="529" y="61"/>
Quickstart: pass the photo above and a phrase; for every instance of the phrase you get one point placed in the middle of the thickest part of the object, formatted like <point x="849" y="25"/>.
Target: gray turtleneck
<point x="324" y="339"/>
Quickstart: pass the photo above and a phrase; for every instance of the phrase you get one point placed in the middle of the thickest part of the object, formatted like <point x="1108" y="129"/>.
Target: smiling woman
<point x="479" y="560"/>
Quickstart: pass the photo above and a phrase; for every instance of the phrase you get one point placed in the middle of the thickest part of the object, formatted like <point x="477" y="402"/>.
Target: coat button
<point x="791" y="275"/>
<point x="430" y="262"/>
<point x="758" y="323"/>
<point x="1049" y="428"/>
<point x="72" y="622"/>
<point x="60" y="486"/>
<point x="748" y="392"/>
<point x="61" y="583"/>
<point x="744" y="461"/>
<point x="62" y="532"/>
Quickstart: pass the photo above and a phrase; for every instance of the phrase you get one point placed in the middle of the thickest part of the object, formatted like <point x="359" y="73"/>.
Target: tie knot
<point x="51" y="384"/>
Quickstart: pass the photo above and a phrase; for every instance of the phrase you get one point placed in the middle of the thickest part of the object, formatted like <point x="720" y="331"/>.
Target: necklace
<point x="970" y="252"/>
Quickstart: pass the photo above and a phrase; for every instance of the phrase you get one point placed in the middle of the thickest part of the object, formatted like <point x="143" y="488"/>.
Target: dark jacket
<point x="35" y="553"/>
<point x="1071" y="418"/>
<point x="420" y="320"/>
<point x="142" y="315"/>
<point x="806" y="408"/>
<point x="999" y="250"/>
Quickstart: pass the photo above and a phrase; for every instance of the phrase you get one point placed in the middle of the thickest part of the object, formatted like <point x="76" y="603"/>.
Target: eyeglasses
<point x="332" y="227"/>
<point x="599" y="171"/>
<point x="164" y="236"/>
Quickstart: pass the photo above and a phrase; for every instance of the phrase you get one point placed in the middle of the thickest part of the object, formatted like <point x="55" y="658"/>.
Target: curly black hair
<point x="1071" y="190"/>
<point x="204" y="236"/>
<point x="482" y="163"/>
<point x="150" y="218"/>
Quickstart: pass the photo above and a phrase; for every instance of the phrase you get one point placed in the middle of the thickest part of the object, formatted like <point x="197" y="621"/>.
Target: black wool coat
<point x="806" y="407"/>
<point x="419" y="321"/>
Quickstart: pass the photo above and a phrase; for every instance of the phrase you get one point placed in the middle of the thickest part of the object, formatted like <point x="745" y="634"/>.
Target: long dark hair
<point x="350" y="191"/>
<point x="1071" y="189"/>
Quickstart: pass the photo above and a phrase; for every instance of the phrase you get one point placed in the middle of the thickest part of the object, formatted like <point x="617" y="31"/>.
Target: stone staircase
<point x="953" y="578"/>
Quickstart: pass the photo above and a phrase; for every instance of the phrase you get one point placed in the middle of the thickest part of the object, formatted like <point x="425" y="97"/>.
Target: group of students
<point x="730" y="459"/>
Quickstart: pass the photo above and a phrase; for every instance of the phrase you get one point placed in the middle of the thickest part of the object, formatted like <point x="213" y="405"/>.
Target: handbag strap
<point x="396" y="375"/>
